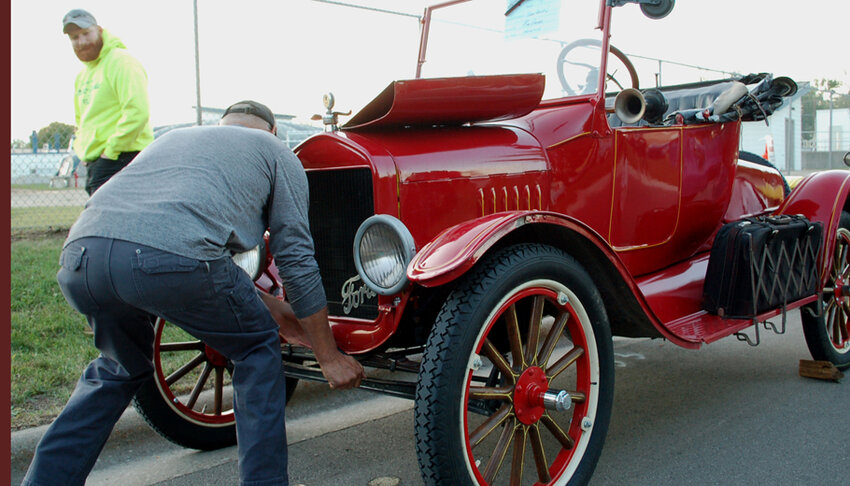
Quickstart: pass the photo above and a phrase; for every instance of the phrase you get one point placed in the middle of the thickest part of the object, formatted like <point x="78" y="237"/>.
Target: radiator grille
<point x="340" y="200"/>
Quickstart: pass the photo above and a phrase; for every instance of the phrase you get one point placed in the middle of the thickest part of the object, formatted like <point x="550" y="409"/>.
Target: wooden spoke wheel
<point x="826" y="329"/>
<point x="516" y="384"/>
<point x="189" y="400"/>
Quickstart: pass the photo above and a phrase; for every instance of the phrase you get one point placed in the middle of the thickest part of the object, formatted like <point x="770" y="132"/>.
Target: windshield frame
<point x="603" y="24"/>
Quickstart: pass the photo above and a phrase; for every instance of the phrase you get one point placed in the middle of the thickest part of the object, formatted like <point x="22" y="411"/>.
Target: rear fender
<point x="756" y="189"/>
<point x="821" y="197"/>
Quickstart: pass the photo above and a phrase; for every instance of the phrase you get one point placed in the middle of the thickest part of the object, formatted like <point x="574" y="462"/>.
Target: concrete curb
<point x="130" y="427"/>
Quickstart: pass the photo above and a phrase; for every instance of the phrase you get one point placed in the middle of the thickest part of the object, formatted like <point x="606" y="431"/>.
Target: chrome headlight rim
<point x="405" y="244"/>
<point x="253" y="261"/>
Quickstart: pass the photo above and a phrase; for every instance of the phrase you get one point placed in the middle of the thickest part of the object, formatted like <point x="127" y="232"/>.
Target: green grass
<point x="45" y="187"/>
<point x="49" y="348"/>
<point x="45" y="217"/>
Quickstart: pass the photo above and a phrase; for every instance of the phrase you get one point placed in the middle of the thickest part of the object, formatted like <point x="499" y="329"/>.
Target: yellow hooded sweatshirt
<point x="111" y="104"/>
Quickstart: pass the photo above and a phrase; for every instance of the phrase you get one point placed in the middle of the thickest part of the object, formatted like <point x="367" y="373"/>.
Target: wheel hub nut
<point x="559" y="400"/>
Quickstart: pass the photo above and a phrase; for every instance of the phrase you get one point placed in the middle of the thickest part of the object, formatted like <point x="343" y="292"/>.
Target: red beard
<point x="89" y="52"/>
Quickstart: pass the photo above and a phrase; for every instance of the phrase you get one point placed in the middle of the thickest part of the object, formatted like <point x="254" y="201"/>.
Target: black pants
<point x="101" y="170"/>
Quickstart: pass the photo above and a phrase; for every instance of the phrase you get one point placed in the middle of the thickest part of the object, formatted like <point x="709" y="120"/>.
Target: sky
<point x="287" y="53"/>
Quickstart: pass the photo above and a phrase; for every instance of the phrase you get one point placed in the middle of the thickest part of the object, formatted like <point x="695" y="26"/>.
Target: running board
<point x="394" y="388"/>
<point x="675" y="297"/>
<point x="709" y="328"/>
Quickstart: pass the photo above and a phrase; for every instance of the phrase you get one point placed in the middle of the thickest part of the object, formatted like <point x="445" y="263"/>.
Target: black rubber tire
<point x="175" y="425"/>
<point x="833" y="323"/>
<point x="757" y="159"/>
<point x="517" y="276"/>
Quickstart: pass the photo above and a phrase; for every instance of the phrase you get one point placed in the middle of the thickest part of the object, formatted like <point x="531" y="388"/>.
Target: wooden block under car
<point x="822" y="370"/>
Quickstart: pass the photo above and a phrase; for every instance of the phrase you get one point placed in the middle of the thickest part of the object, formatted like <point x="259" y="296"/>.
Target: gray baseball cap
<point x="78" y="17"/>
<point x="252" y="108"/>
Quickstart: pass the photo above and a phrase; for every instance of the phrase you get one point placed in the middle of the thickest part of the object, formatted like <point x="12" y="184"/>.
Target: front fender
<point x="821" y="197"/>
<point x="454" y="251"/>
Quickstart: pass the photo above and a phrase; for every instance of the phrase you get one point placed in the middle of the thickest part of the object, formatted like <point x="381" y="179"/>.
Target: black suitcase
<point x="760" y="264"/>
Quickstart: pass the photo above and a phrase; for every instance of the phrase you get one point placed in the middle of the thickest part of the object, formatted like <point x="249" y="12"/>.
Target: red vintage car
<point x="485" y="244"/>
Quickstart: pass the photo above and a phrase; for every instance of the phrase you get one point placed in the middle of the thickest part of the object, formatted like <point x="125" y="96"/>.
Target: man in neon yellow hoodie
<point x="110" y="100"/>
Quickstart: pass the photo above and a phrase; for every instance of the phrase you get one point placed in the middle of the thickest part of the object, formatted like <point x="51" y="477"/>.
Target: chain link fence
<point x="48" y="184"/>
<point x="46" y="193"/>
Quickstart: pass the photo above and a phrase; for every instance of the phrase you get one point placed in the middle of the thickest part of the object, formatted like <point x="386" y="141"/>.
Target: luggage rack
<point x="766" y="277"/>
<point x="770" y="326"/>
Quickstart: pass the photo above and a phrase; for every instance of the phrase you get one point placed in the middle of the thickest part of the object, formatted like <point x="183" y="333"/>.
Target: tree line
<point x="48" y="135"/>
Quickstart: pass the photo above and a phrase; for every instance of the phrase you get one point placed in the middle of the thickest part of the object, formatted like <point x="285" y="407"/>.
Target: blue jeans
<point x="116" y="284"/>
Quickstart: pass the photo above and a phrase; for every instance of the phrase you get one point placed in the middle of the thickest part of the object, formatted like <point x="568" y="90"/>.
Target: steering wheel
<point x="593" y="70"/>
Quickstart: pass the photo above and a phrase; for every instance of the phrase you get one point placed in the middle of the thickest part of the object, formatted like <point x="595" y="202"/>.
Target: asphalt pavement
<point x="727" y="414"/>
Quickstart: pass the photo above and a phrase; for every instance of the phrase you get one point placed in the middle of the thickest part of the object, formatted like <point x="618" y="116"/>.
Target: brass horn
<point x="629" y="105"/>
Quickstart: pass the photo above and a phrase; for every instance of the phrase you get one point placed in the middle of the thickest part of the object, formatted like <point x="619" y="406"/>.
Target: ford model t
<point x="483" y="236"/>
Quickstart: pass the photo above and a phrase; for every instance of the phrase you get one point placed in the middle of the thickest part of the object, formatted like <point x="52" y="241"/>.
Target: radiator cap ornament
<point x="331" y="118"/>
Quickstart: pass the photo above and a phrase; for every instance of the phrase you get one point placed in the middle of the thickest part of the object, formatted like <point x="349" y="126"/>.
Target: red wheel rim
<point x="837" y="296"/>
<point x="519" y="436"/>
<point x="193" y="379"/>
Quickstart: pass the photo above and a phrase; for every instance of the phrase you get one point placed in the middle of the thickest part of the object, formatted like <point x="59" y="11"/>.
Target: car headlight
<point x="382" y="249"/>
<point x="252" y="261"/>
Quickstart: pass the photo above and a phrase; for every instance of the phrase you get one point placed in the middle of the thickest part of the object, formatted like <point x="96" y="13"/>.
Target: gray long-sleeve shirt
<point x="203" y="192"/>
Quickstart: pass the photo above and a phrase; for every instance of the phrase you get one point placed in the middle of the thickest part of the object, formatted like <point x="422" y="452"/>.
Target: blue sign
<point x="530" y="18"/>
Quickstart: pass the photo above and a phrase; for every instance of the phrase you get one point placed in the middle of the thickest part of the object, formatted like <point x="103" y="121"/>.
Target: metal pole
<point x="790" y="153"/>
<point x="658" y="77"/>
<point x="829" y="164"/>
<point x="198" y="110"/>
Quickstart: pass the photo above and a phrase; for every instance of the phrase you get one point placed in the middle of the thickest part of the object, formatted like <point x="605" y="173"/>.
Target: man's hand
<point x="342" y="371"/>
